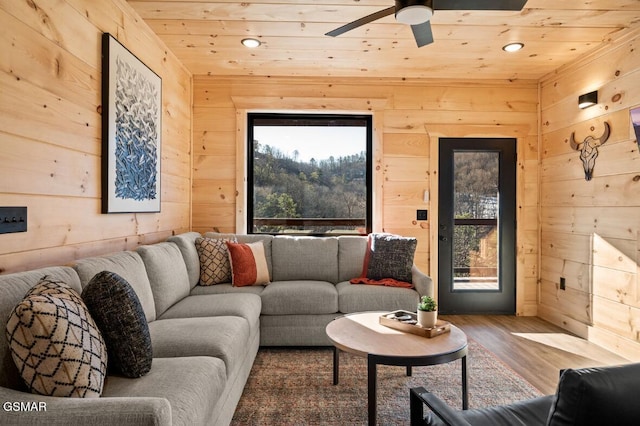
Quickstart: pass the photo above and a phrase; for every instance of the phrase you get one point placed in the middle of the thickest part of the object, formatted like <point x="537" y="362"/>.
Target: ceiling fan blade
<point x="422" y="33"/>
<point x="362" y="21"/>
<point x="478" y="5"/>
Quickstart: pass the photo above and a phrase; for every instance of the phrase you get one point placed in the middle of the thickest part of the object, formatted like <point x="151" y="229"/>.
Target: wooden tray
<point x="390" y="320"/>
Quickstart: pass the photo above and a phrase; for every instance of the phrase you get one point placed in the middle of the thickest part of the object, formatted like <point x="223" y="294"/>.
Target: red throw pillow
<point x="248" y="264"/>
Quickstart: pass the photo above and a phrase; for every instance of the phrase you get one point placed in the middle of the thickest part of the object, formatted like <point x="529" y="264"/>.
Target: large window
<point x="309" y="174"/>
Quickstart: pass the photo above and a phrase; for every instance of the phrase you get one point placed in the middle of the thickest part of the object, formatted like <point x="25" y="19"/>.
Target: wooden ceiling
<point x="205" y="36"/>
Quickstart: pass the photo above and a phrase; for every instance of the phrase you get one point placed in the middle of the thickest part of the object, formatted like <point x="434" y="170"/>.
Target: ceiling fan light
<point x="414" y="15"/>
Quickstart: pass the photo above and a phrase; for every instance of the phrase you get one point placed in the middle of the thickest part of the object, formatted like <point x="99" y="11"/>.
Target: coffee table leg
<point x="465" y="394"/>
<point x="372" y="379"/>
<point x="336" y="365"/>
<point x="409" y="371"/>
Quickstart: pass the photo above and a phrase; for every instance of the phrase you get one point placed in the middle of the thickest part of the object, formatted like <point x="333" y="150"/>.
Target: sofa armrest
<point x="422" y="282"/>
<point x="419" y="396"/>
<point x="20" y="408"/>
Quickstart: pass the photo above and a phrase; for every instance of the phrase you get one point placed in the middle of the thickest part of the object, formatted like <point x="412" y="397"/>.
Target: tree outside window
<point x="309" y="174"/>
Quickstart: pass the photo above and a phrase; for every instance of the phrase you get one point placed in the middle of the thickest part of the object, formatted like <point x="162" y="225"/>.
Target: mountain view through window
<point x="309" y="174"/>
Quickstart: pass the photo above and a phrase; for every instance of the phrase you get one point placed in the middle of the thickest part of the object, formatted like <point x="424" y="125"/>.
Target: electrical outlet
<point x="563" y="284"/>
<point x="13" y="219"/>
<point x="421" y="215"/>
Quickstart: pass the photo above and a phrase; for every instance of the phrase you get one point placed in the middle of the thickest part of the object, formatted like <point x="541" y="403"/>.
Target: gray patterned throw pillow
<point x="391" y="256"/>
<point x="118" y="313"/>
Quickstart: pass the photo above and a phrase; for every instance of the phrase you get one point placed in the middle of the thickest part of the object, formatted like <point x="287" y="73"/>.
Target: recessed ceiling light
<point x="250" y="42"/>
<point x="512" y="47"/>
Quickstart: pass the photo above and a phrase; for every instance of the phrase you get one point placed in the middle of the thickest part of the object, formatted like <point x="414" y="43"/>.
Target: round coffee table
<point x="362" y="334"/>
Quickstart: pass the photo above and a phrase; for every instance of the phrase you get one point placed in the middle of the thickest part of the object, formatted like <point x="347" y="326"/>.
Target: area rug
<point x="294" y="387"/>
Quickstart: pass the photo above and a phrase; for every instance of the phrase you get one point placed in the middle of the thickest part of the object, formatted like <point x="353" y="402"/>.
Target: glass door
<point x="476" y="248"/>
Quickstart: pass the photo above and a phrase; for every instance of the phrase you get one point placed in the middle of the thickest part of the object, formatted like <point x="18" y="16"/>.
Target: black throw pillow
<point x="117" y="311"/>
<point x="390" y="256"/>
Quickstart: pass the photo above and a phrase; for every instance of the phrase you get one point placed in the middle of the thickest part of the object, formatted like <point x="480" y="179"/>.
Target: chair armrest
<point x="21" y="408"/>
<point x="422" y="282"/>
<point x="420" y="395"/>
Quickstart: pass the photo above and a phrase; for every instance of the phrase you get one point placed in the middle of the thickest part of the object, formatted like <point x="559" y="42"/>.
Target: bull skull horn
<point x="605" y="135"/>
<point x="573" y="143"/>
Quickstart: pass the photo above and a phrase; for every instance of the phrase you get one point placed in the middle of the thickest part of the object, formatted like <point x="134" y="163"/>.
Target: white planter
<point x="427" y="319"/>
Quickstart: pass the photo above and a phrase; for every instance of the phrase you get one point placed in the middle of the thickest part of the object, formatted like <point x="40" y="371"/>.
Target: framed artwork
<point x="131" y="131"/>
<point x="635" y="120"/>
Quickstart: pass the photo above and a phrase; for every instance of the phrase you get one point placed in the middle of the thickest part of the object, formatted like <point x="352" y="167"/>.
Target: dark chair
<point x="588" y="396"/>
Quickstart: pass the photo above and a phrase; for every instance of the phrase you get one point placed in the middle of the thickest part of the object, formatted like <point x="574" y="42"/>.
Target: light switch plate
<point x="13" y="219"/>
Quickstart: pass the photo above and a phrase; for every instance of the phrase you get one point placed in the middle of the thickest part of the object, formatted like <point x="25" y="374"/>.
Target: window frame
<point x="308" y="117"/>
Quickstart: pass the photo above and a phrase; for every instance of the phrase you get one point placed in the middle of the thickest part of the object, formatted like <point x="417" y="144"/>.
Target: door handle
<point x="443" y="238"/>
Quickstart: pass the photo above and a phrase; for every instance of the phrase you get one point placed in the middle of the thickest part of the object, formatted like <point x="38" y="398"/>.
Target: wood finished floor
<point x="534" y="348"/>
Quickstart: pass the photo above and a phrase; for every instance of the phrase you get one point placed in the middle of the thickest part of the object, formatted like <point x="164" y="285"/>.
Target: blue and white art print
<point x="132" y="129"/>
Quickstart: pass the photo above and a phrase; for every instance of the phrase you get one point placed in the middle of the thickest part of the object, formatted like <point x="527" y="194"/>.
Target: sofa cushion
<point x="191" y="385"/>
<point x="248" y="264"/>
<point x="298" y="297"/>
<point x="167" y="273"/>
<point x="227" y="338"/>
<point x="295" y="330"/>
<point x="305" y="258"/>
<point x="358" y="298"/>
<point x="186" y="244"/>
<point x="351" y="251"/>
<point x="247" y="306"/>
<point x="597" y="396"/>
<point x="128" y="265"/>
<point x="215" y="267"/>
<point x="118" y="314"/>
<point x="226" y="288"/>
<point x="55" y="343"/>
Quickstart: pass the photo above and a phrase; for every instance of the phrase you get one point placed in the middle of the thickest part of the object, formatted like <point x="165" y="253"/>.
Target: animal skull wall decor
<point x="589" y="149"/>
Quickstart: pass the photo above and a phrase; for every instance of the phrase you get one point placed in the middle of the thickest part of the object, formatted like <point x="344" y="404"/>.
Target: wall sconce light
<point x="588" y="99"/>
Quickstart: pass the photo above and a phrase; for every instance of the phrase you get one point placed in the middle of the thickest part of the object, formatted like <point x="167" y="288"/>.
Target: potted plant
<point x="427" y="312"/>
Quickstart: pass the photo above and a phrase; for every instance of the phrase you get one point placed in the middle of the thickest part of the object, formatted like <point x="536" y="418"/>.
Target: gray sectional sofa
<point x="204" y="338"/>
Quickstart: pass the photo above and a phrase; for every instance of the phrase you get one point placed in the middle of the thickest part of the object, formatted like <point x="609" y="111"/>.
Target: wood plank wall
<point x="50" y="129"/>
<point x="590" y="229"/>
<point x="412" y="117"/>
<point x="588" y="232"/>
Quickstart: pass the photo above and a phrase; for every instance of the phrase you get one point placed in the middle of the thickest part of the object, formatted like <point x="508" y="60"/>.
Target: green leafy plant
<point x="428" y="304"/>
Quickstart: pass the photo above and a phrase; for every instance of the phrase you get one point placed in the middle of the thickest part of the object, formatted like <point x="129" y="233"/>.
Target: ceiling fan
<point x="417" y="13"/>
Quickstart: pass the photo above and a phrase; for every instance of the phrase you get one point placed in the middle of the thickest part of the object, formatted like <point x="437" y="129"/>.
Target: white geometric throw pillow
<point x="55" y="343"/>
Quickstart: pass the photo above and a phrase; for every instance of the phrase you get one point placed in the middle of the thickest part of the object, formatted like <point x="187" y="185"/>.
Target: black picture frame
<point x="131" y="131"/>
<point x="635" y="121"/>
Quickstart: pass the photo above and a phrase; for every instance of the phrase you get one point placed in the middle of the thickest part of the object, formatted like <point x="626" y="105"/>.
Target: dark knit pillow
<point x="55" y="343"/>
<point x="391" y="256"/>
<point x="118" y="314"/>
